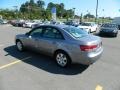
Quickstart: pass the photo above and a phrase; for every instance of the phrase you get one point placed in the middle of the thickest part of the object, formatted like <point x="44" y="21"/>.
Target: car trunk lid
<point x="90" y="43"/>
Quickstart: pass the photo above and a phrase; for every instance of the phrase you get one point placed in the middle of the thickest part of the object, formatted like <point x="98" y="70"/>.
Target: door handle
<point x="36" y="39"/>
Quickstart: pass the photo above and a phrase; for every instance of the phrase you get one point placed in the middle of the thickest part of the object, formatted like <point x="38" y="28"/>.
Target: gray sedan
<point x="67" y="44"/>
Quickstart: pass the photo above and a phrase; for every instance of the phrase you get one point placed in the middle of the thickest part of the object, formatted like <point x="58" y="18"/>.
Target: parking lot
<point x="32" y="71"/>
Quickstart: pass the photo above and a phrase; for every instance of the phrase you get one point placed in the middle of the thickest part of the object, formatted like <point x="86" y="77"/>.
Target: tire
<point x="62" y="59"/>
<point x="19" y="46"/>
<point x="115" y="35"/>
<point x="90" y="31"/>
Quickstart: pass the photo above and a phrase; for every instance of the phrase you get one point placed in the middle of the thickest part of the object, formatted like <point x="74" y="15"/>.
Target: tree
<point x="31" y="10"/>
<point x="68" y="14"/>
<point x="50" y="6"/>
<point x="40" y="3"/>
<point x="59" y="7"/>
<point x="7" y="14"/>
<point x="35" y="10"/>
<point x="62" y="7"/>
<point x="89" y="16"/>
<point x="31" y="3"/>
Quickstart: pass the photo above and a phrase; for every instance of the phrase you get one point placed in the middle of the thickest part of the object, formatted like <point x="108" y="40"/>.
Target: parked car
<point x="46" y="22"/>
<point x="29" y="24"/>
<point x="67" y="44"/>
<point x="56" y="22"/>
<point x="109" y="29"/>
<point x="37" y="25"/>
<point x="12" y="22"/>
<point x="3" y="21"/>
<point x="17" y="23"/>
<point x="72" y="23"/>
<point x="89" y="27"/>
<point x="116" y="20"/>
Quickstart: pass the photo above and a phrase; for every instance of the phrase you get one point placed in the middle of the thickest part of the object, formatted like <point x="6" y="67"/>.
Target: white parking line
<point x="98" y="87"/>
<point x="13" y="63"/>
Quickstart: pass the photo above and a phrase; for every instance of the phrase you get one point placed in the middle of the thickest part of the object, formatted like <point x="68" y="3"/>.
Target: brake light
<point x="87" y="47"/>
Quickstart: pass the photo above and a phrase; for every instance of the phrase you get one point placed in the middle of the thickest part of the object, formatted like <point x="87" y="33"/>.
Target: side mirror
<point x="27" y="34"/>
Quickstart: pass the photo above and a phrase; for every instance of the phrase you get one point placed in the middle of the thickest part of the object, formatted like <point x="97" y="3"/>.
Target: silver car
<point x="67" y="44"/>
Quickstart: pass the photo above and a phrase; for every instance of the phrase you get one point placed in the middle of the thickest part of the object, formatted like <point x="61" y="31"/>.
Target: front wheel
<point x="62" y="59"/>
<point x="116" y="35"/>
<point x="19" y="46"/>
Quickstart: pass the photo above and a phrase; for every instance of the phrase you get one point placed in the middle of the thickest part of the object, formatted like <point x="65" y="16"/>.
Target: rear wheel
<point x="62" y="59"/>
<point x="19" y="46"/>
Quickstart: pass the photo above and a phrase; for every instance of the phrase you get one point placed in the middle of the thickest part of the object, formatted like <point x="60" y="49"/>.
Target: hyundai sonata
<point x="67" y="44"/>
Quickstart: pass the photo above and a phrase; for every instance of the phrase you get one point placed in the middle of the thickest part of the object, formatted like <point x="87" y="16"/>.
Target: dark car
<point x="71" y="23"/>
<point x="109" y="29"/>
<point x="119" y="27"/>
<point x="17" y="23"/>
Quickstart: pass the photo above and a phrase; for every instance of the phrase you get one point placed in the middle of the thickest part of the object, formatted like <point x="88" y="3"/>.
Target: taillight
<point x="87" y="47"/>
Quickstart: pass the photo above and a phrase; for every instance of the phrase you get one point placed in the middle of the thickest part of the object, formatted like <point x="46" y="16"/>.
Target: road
<point x="32" y="71"/>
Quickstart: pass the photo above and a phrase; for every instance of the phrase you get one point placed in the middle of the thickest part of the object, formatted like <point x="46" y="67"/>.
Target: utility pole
<point x="103" y="16"/>
<point x="74" y="13"/>
<point x="29" y="11"/>
<point x="96" y="12"/>
<point x="87" y="16"/>
<point x="16" y="11"/>
<point x="81" y="18"/>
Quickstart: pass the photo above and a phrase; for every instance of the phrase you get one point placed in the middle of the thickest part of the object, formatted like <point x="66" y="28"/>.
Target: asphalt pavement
<point x="32" y="71"/>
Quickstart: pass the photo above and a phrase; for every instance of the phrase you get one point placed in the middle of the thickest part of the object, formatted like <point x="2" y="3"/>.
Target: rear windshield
<point x="76" y="32"/>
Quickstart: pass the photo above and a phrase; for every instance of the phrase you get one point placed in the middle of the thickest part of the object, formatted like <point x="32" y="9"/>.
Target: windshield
<point x="109" y="25"/>
<point x="86" y="24"/>
<point x="76" y="32"/>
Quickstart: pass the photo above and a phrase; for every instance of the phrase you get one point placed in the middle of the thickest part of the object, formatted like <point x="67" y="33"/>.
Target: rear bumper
<point x="87" y="58"/>
<point x="91" y="58"/>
